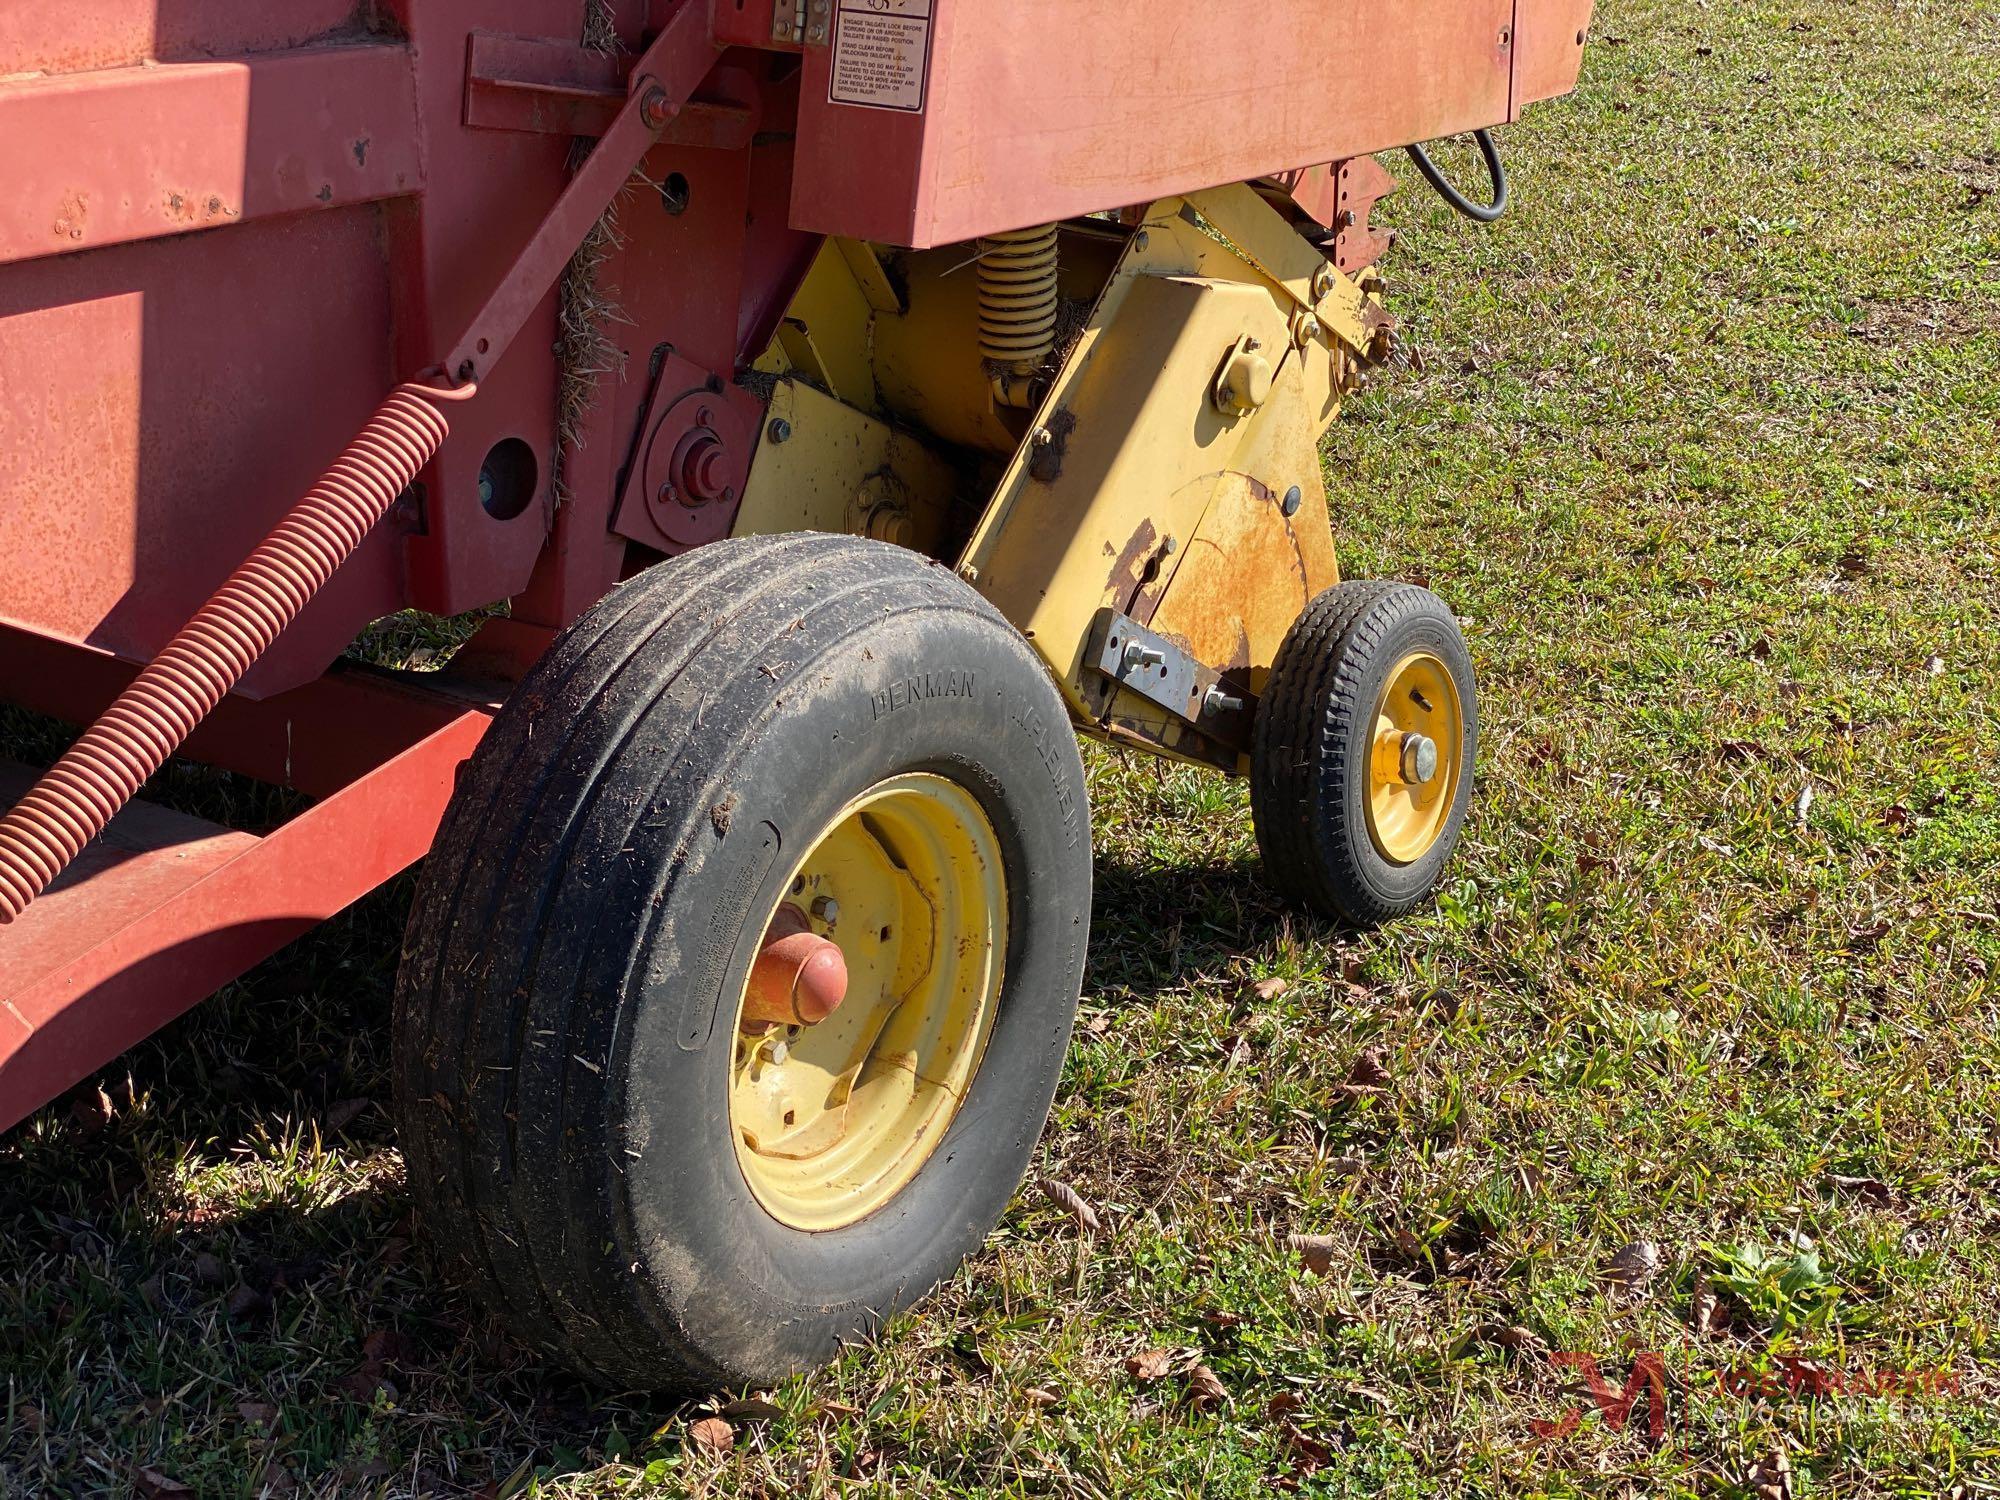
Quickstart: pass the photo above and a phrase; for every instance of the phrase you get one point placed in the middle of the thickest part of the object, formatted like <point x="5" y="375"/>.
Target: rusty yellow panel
<point x="1133" y="448"/>
<point x="838" y="469"/>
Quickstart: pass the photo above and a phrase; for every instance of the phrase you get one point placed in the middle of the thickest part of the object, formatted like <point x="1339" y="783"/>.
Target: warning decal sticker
<point x="881" y="53"/>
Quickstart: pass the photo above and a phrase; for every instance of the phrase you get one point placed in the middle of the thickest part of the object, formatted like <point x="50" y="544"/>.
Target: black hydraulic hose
<point x="1485" y="213"/>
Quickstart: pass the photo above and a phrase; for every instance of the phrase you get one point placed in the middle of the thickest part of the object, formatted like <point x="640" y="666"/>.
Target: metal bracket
<point x="1149" y="664"/>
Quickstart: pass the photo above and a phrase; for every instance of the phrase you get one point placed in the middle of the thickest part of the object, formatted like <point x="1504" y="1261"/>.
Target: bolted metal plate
<point x="1151" y="665"/>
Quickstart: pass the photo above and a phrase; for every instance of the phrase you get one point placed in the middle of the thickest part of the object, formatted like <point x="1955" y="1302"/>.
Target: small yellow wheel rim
<point x="1415" y="758"/>
<point x="832" y="1120"/>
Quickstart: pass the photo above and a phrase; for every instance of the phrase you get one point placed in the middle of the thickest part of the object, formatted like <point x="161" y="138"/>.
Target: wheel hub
<point x="1414" y="765"/>
<point x="833" y="1116"/>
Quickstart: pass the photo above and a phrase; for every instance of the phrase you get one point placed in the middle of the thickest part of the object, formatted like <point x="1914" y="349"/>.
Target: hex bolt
<point x="1139" y="657"/>
<point x="1418" y="762"/>
<point x="779" y="1052"/>
<point x="826" y="909"/>
<point x="1216" y="701"/>
<point x="1306" y="331"/>
<point x="1170" y="546"/>
<point x="780" y="430"/>
<point x="1323" y="281"/>
<point x="1041" y="437"/>
<point x="653" y="108"/>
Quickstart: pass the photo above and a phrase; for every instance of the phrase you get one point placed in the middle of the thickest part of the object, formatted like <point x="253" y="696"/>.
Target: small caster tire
<point x="1362" y="756"/>
<point x="738" y="983"/>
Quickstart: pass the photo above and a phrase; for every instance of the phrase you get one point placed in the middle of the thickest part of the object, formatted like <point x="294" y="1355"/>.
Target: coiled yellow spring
<point x="1017" y="305"/>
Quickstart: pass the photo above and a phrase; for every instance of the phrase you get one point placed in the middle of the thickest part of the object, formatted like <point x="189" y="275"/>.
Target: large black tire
<point x="1309" y="777"/>
<point x="565" y="1013"/>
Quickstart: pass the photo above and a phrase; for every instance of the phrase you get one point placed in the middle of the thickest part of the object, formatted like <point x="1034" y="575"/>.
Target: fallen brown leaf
<point x="91" y="1110"/>
<point x="750" y="1409"/>
<point x="1872" y="1188"/>
<point x="1284" y="1404"/>
<point x="1635" y="1266"/>
<point x="1040" y="1397"/>
<point x="263" y="1413"/>
<point x="1770" y="1478"/>
<point x="1707" y="1313"/>
<point x="154" y="1485"/>
<point x="1071" y="1202"/>
<point x="1271" y="988"/>
<point x="1316" y="1250"/>
<point x="1369" y="1072"/>
<point x="712" y="1436"/>
<point x="1309" y="1453"/>
<point x="1205" y="1391"/>
<point x="1513" y="1336"/>
<point x="1218" y="1319"/>
<point x="1152" y="1364"/>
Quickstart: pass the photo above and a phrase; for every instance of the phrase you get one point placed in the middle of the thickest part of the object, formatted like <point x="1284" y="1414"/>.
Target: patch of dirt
<point x="1916" y="319"/>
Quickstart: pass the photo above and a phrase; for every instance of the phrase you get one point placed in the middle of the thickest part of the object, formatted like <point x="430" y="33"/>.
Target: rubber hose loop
<point x="102" y="771"/>
<point x="1485" y="213"/>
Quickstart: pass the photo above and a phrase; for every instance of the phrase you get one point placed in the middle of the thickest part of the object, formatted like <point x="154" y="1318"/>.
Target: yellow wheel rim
<point x="832" y="1120"/>
<point x="1415" y="758"/>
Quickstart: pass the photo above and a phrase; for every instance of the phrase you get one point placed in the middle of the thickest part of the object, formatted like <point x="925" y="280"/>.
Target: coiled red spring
<point x="74" y="800"/>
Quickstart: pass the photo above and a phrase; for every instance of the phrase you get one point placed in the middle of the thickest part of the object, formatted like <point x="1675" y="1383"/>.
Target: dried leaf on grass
<point x="712" y="1436"/>
<point x="1770" y="1478"/>
<point x="1315" y="1250"/>
<point x="1635" y="1266"/>
<point x="750" y="1409"/>
<point x="1369" y="1075"/>
<point x="1707" y="1313"/>
<point x="1872" y="1188"/>
<point x="1151" y="1364"/>
<point x="1205" y="1391"/>
<point x="1271" y="988"/>
<point x="1071" y="1202"/>
<point x="1309" y="1453"/>
<point x="154" y="1485"/>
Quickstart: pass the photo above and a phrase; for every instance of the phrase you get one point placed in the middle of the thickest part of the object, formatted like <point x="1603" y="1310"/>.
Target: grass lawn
<point x="1695" y="1057"/>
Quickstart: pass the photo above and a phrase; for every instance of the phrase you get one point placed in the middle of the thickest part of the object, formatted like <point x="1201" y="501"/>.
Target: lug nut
<point x="826" y="909"/>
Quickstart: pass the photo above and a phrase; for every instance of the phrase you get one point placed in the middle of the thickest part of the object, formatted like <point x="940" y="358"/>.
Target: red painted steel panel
<point x="131" y="153"/>
<point x="1038" y="109"/>
<point x="1549" y="49"/>
<point x="152" y="431"/>
<point x="70" y="36"/>
<point x="132" y="936"/>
